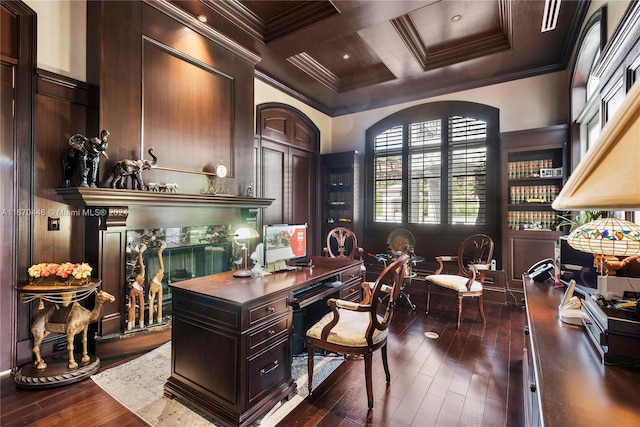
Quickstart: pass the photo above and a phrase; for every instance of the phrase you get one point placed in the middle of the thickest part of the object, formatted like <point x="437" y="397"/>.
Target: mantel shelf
<point x="85" y="196"/>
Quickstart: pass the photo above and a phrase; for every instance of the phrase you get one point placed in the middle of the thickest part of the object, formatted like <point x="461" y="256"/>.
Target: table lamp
<point x="608" y="239"/>
<point x="240" y="237"/>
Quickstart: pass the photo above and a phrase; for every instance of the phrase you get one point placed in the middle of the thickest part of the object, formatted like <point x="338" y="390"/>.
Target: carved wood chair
<point x="360" y="328"/>
<point x="473" y="259"/>
<point x="343" y="243"/>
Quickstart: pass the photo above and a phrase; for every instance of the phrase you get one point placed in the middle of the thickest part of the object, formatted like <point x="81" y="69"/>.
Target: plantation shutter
<point x="425" y="142"/>
<point x="467" y="171"/>
<point x="388" y="176"/>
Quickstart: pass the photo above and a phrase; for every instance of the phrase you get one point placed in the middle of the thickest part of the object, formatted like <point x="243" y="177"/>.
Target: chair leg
<point x="459" y="310"/>
<point x="385" y="363"/>
<point x="368" y="379"/>
<point x="481" y="308"/>
<point x="310" y="366"/>
<point x="428" y="298"/>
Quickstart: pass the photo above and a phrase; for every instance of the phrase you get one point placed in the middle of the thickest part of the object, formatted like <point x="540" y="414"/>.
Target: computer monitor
<point x="577" y="265"/>
<point x="284" y="242"/>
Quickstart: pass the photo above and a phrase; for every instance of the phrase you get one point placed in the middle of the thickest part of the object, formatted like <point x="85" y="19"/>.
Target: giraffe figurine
<point x="136" y="294"/>
<point x="155" y="288"/>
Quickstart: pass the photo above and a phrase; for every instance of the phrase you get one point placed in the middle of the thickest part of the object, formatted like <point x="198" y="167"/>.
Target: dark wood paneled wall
<point x="17" y="48"/>
<point x="62" y="106"/>
<point x="166" y="86"/>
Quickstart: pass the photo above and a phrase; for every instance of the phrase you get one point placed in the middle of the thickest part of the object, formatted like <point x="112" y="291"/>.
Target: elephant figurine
<point x="131" y="168"/>
<point x="84" y="155"/>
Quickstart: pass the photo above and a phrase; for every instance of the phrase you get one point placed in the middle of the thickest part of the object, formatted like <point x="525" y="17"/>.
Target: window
<point x="585" y="85"/>
<point x="429" y="165"/>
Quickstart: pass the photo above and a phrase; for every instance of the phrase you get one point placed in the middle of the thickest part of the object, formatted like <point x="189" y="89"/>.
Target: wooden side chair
<point x="360" y="328"/>
<point x="473" y="259"/>
<point x="343" y="243"/>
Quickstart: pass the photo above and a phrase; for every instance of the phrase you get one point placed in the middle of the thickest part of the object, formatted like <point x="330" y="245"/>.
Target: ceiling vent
<point x="550" y="17"/>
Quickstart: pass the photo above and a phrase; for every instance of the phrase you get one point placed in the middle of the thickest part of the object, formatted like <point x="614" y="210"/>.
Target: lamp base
<point x="572" y="316"/>
<point x="242" y="273"/>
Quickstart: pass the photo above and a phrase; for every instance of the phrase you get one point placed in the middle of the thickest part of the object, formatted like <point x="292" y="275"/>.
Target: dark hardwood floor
<point x="466" y="377"/>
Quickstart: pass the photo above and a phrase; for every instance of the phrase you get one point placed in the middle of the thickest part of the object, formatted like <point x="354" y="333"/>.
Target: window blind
<point x="467" y="171"/>
<point x="388" y="176"/>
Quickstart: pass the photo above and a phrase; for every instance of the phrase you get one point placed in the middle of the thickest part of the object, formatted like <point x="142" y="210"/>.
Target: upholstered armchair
<point x="360" y="328"/>
<point x="473" y="259"/>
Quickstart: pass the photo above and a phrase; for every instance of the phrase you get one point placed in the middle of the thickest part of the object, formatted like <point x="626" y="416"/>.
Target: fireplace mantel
<point x="104" y="197"/>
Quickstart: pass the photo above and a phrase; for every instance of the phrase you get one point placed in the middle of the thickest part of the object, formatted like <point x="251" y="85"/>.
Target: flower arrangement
<point x="66" y="272"/>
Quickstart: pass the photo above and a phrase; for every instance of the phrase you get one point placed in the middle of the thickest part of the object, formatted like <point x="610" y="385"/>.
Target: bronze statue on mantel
<point x="126" y="168"/>
<point x="84" y="156"/>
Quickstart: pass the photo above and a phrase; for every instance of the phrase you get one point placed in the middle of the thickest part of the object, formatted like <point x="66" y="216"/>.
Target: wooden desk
<point x="572" y="386"/>
<point x="231" y="338"/>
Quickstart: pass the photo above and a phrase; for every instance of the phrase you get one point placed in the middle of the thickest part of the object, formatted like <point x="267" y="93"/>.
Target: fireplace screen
<point x="159" y="257"/>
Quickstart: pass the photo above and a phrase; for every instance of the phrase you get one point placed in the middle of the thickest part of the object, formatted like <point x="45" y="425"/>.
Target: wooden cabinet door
<point x="289" y="153"/>
<point x="275" y="175"/>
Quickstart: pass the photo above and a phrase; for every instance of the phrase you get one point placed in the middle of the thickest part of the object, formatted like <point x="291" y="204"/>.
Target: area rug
<point x="139" y="385"/>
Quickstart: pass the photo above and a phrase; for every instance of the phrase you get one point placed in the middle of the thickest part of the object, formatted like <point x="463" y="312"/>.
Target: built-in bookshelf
<point x="341" y="191"/>
<point x="533" y="171"/>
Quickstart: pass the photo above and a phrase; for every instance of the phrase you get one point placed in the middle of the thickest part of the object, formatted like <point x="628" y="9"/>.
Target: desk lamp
<point x="240" y="237"/>
<point x="607" y="239"/>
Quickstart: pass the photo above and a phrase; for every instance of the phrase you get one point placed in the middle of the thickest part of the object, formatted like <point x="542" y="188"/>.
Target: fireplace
<point x="194" y="229"/>
<point x="177" y="253"/>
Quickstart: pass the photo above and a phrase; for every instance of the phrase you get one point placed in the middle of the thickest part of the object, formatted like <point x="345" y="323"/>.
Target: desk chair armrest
<point x="367" y="287"/>
<point x="442" y="259"/>
<point x="335" y="303"/>
<point x="346" y="305"/>
<point x="477" y="273"/>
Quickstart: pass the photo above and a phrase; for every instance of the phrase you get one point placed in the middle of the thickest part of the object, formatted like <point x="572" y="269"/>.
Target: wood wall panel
<point x="59" y="120"/>
<point x="8" y="225"/>
<point x="526" y="251"/>
<point x="18" y="47"/>
<point x="62" y="106"/>
<point x="275" y="127"/>
<point x="303" y="181"/>
<point x="202" y="90"/>
<point x="274" y="178"/>
<point x="9" y="34"/>
<point x="284" y="126"/>
<point x="124" y="95"/>
<point x="113" y="243"/>
<point x="114" y="64"/>
<point x="302" y="136"/>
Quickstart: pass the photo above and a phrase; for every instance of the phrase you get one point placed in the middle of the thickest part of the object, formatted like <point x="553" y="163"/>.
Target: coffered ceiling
<point x="347" y="56"/>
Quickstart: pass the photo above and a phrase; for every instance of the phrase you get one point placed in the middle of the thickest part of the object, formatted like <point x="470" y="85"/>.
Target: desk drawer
<point x="272" y="308"/>
<point x="267" y="335"/>
<point x="351" y="292"/>
<point x="269" y="370"/>
<point x="350" y="274"/>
